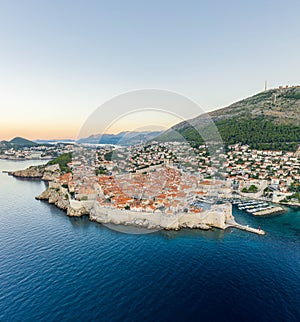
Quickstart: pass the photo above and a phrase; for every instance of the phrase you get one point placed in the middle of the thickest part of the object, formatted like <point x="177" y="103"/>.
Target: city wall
<point x="217" y="216"/>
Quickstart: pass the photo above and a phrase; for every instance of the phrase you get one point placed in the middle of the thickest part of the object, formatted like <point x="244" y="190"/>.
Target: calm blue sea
<point x="55" y="268"/>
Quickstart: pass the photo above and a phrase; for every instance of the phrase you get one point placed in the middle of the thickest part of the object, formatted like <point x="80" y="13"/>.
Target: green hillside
<point x="21" y="142"/>
<point x="62" y="161"/>
<point x="268" y="120"/>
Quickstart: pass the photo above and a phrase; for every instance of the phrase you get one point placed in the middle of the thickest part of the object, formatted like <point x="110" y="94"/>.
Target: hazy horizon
<point x="125" y="127"/>
<point x="61" y="60"/>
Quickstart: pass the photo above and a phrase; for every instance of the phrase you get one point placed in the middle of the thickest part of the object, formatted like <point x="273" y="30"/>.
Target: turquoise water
<point x="53" y="267"/>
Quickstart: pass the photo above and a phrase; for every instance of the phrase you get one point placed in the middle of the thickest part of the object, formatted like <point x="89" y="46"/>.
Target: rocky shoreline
<point x="219" y="216"/>
<point x="59" y="196"/>
<point x="55" y="193"/>
<point x="46" y="173"/>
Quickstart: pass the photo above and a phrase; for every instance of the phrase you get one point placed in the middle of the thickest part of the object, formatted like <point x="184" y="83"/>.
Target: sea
<point x="56" y="268"/>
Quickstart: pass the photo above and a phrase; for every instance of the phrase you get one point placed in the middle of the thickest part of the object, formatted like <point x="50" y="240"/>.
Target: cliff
<point x="31" y="172"/>
<point x="46" y="173"/>
<point x="59" y="196"/>
<point x="54" y="196"/>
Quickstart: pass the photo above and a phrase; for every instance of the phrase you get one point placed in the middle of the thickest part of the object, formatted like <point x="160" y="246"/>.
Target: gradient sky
<point x="60" y="60"/>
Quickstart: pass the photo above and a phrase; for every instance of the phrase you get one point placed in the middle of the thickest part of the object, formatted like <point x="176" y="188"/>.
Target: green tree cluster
<point x="62" y="161"/>
<point x="251" y="189"/>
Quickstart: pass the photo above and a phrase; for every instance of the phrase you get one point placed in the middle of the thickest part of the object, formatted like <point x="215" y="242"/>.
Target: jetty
<point x="233" y="223"/>
<point x="269" y="211"/>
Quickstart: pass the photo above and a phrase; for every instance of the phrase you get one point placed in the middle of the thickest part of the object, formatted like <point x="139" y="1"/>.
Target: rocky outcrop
<point x="34" y="172"/>
<point x="197" y="226"/>
<point x="46" y="173"/>
<point x="59" y="196"/>
<point x="56" y="197"/>
<point x="76" y="212"/>
<point x="51" y="172"/>
<point x="55" y="193"/>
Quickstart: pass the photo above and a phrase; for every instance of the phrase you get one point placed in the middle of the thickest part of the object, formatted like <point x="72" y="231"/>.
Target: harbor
<point x="257" y="207"/>
<point x="206" y="203"/>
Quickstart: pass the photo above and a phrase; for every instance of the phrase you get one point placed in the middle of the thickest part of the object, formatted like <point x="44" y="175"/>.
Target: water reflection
<point x="212" y="234"/>
<point x="80" y="222"/>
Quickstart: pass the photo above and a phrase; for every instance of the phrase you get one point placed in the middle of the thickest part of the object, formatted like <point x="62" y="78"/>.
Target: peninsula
<point x="159" y="197"/>
<point x="175" y="179"/>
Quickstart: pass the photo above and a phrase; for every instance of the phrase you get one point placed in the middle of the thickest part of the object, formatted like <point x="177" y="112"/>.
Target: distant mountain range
<point x="55" y="141"/>
<point x="17" y="142"/>
<point x="268" y="120"/>
<point x="122" y="138"/>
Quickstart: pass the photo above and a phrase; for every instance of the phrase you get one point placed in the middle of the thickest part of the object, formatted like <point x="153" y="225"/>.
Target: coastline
<point x="204" y="252"/>
<point x="219" y="216"/>
<point x="25" y="159"/>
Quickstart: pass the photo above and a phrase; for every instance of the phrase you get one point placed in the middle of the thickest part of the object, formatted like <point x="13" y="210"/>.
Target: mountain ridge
<point x="122" y="138"/>
<point x="17" y="142"/>
<point x="268" y="119"/>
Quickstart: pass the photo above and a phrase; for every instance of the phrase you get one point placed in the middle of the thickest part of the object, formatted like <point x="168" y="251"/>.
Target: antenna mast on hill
<point x="266" y="87"/>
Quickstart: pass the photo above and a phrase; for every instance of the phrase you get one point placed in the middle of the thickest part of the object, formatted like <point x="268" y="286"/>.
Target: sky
<point x="61" y="60"/>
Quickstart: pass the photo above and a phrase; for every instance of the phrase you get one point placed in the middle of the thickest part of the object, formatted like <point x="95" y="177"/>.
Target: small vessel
<point x="252" y="206"/>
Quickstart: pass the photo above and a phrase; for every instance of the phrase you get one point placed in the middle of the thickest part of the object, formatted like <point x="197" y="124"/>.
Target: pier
<point x="234" y="224"/>
<point x="269" y="211"/>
